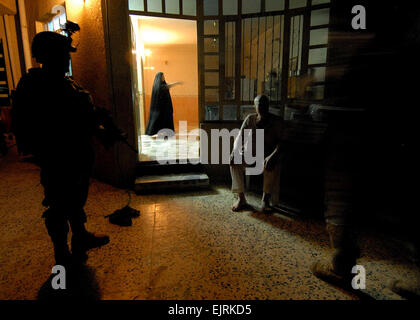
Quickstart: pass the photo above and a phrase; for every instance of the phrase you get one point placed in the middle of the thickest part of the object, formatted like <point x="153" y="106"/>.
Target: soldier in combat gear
<point x="54" y="120"/>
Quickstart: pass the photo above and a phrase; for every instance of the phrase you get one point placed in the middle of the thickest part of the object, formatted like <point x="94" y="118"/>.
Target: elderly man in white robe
<point x="246" y="142"/>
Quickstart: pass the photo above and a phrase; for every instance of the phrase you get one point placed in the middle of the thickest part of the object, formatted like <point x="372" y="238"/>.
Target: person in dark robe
<point x="161" y="109"/>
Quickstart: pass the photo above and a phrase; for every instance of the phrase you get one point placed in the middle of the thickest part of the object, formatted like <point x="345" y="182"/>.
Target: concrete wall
<point x="89" y="62"/>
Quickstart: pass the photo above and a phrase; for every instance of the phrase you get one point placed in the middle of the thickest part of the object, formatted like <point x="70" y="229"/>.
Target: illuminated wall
<point x="178" y="63"/>
<point x="168" y="46"/>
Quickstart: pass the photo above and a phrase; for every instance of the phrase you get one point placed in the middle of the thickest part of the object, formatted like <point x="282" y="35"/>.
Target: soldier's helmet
<point x="47" y="45"/>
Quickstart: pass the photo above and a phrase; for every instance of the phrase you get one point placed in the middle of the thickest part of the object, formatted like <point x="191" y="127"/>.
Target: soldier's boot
<point x="338" y="270"/>
<point x="409" y="289"/>
<point x="58" y="229"/>
<point x="83" y="240"/>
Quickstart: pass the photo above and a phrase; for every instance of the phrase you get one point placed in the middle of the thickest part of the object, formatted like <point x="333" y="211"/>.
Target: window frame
<point x="305" y="66"/>
<point x="237" y="19"/>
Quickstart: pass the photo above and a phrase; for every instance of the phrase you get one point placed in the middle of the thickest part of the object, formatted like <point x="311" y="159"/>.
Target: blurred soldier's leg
<point x="408" y="289"/>
<point x="237" y="172"/>
<point x="338" y="200"/>
<point x="407" y="200"/>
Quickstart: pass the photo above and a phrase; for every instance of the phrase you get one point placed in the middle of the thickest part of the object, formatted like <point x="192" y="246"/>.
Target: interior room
<point x="168" y="46"/>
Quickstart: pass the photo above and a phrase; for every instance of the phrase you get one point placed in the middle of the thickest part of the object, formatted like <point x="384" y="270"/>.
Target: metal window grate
<point x="262" y="57"/>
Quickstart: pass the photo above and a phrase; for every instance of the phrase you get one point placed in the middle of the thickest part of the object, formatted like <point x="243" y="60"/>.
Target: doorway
<point x="169" y="46"/>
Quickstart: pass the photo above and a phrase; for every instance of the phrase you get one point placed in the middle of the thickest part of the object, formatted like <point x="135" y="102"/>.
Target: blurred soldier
<point x="379" y="81"/>
<point x="54" y="120"/>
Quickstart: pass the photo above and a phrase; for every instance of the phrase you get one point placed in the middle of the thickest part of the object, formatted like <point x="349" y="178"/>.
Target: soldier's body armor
<point x="53" y="119"/>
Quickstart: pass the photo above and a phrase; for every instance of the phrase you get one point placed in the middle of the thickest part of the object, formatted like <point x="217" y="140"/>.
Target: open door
<point x="137" y="83"/>
<point x="170" y="46"/>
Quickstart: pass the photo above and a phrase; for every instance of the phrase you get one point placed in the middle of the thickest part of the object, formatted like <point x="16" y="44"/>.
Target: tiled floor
<point x="183" y="246"/>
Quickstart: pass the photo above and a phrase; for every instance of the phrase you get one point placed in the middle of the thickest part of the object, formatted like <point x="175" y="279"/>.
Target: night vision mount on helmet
<point x="47" y="43"/>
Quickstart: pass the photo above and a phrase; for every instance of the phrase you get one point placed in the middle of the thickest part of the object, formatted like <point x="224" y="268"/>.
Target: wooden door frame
<point x="118" y="48"/>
